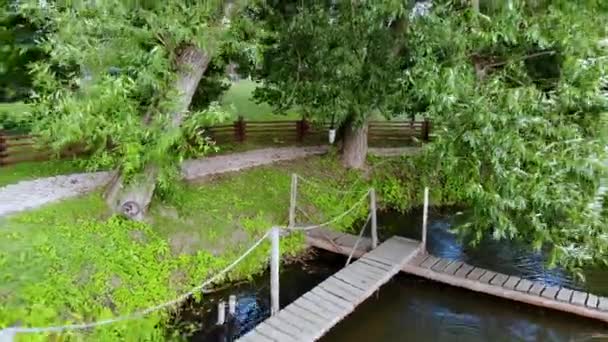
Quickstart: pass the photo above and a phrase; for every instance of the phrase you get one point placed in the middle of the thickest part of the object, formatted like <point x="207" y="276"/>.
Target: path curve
<point x="31" y="194"/>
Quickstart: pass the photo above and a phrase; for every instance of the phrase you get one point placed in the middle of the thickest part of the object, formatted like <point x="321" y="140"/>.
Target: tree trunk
<point x="132" y="200"/>
<point x="354" y="150"/>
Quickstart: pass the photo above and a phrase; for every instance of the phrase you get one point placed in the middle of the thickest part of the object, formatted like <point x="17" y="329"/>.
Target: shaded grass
<point x="71" y="262"/>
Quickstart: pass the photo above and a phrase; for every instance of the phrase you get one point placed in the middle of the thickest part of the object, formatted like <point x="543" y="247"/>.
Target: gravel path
<point x="32" y="194"/>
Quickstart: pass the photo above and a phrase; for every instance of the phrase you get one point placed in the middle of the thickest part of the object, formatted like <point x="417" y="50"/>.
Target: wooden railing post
<point x="3" y="147"/>
<point x="274" y="271"/>
<point x="240" y="129"/>
<point x="372" y="204"/>
<point x="293" y="199"/>
<point x="426" y="128"/>
<point x="425" y="214"/>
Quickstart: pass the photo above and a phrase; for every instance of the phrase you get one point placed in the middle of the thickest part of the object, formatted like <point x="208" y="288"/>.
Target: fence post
<point x="293" y="199"/>
<point x="274" y="271"/>
<point x="372" y="203"/>
<point x="299" y="131"/>
<point x="3" y="149"/>
<point x="232" y="306"/>
<point x="426" y="129"/>
<point x="239" y="129"/>
<point x="425" y="213"/>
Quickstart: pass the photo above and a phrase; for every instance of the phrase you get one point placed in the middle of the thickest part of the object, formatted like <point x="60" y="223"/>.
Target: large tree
<point x="337" y="61"/>
<point x="514" y="92"/>
<point x="129" y="74"/>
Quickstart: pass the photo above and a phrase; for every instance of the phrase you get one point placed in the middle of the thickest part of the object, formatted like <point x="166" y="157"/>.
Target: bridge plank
<point x="537" y="288"/>
<point x="363" y="272"/>
<point x="592" y="301"/>
<point x="307" y="305"/>
<point x="341" y="289"/>
<point x="550" y="292"/>
<point x="603" y="304"/>
<point x="579" y="298"/>
<point x="277" y="335"/>
<point x="499" y="279"/>
<point x="429" y="262"/>
<point x="310" y="317"/>
<point x="368" y="269"/>
<point x="323" y="303"/>
<point x="340" y="302"/>
<point x="512" y="282"/>
<point x="355" y="279"/>
<point x="524" y="285"/>
<point x="441" y="265"/>
<point x="453" y="267"/>
<point x="373" y="263"/>
<point x="302" y="323"/>
<point x="476" y="273"/>
<point x="419" y="259"/>
<point x="275" y="323"/>
<point x="564" y="294"/>
<point x="464" y="271"/>
<point x="487" y="277"/>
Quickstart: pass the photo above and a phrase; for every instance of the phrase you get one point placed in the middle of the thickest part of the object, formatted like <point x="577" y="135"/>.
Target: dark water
<point x="413" y="309"/>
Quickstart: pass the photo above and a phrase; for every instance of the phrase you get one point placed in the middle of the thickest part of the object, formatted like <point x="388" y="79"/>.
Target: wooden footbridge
<point x="316" y="312"/>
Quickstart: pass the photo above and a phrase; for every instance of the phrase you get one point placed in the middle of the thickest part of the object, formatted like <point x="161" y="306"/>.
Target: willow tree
<point x="337" y="61"/>
<point x="514" y="93"/>
<point x="129" y="71"/>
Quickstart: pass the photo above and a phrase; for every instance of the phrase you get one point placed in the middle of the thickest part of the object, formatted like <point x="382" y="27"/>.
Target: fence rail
<point x="16" y="148"/>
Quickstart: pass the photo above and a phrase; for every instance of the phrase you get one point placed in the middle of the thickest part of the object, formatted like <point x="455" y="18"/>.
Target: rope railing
<point x="8" y="334"/>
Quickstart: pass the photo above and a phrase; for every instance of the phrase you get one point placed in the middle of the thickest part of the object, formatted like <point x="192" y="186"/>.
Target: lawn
<point x="238" y="98"/>
<point x="31" y="170"/>
<point x="71" y="262"/>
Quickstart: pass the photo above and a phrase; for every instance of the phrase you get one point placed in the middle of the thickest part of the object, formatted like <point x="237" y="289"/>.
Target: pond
<point x="414" y="309"/>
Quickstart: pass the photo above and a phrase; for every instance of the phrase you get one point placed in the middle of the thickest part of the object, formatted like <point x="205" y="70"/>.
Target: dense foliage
<point x="514" y="95"/>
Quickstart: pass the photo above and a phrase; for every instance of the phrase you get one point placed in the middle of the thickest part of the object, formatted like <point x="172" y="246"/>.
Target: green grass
<point x="238" y="98"/>
<point x="13" y="115"/>
<point x="31" y="170"/>
<point x="71" y="262"/>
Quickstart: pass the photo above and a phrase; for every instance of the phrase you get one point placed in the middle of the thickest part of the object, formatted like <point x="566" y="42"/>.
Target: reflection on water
<point x="413" y="309"/>
<point x="410" y="308"/>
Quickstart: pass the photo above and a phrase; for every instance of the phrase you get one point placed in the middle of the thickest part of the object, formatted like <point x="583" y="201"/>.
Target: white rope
<point x="335" y="219"/>
<point x="350" y="256"/>
<point x="138" y="314"/>
<point x="323" y="187"/>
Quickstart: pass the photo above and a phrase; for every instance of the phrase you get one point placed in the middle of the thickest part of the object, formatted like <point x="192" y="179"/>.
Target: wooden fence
<point x="17" y="148"/>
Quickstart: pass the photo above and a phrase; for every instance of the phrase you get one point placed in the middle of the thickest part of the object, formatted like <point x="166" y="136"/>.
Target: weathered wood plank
<point x="361" y="271"/>
<point x="359" y="281"/>
<point x="380" y="260"/>
<point x="340" y="302"/>
<point x="302" y="323"/>
<point x="441" y="265"/>
<point x="487" y="277"/>
<point x="375" y="264"/>
<point x="275" y="323"/>
<point x="311" y="317"/>
<point x="342" y="290"/>
<point x="430" y="261"/>
<point x="592" y="301"/>
<point x="524" y="285"/>
<point x="368" y="269"/>
<point x="537" y="288"/>
<point x="579" y="298"/>
<point x="306" y="304"/>
<point x="464" y="271"/>
<point x="550" y="292"/>
<point x="499" y="279"/>
<point x="275" y="334"/>
<point x="564" y="294"/>
<point x="453" y="267"/>
<point x="254" y="336"/>
<point x="476" y="273"/>
<point x="512" y="282"/>
<point x="603" y="304"/>
<point x="323" y="303"/>
<point x="419" y="259"/>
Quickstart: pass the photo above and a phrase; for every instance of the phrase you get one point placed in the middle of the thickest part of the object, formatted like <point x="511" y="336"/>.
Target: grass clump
<point x="15" y="173"/>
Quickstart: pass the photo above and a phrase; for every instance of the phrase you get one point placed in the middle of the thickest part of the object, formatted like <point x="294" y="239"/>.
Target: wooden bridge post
<point x="274" y="271"/>
<point x="221" y="313"/>
<point x="293" y="199"/>
<point x="372" y="204"/>
<point x="425" y="213"/>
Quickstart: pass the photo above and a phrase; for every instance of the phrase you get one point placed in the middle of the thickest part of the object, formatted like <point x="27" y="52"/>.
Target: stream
<point x="409" y="308"/>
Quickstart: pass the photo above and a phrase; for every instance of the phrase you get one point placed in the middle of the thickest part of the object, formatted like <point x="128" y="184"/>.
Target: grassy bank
<point x="71" y="262"/>
<point x="31" y="170"/>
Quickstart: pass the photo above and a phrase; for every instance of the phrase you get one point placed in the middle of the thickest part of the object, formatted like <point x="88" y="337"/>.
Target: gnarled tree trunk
<point x="354" y="150"/>
<point x="132" y="199"/>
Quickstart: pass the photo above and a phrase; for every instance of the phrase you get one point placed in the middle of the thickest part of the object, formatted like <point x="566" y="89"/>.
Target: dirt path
<point x="35" y="193"/>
